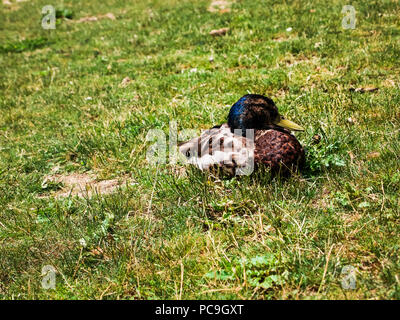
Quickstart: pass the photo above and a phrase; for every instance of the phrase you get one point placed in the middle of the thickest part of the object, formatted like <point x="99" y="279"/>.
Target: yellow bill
<point x="289" y="125"/>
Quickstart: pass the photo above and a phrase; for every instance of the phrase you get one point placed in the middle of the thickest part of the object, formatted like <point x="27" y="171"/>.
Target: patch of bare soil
<point x="292" y="61"/>
<point x="82" y="185"/>
<point x="9" y="3"/>
<point x="96" y="18"/>
<point x="219" y="32"/>
<point x="220" y="6"/>
<point x="12" y="4"/>
<point x="125" y="82"/>
<point x="364" y="89"/>
<point x="389" y="83"/>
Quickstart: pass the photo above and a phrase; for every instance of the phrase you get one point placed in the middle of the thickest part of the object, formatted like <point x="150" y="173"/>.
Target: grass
<point x="169" y="234"/>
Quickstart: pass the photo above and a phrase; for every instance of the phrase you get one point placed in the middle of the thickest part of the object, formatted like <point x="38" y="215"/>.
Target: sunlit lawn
<point x="167" y="232"/>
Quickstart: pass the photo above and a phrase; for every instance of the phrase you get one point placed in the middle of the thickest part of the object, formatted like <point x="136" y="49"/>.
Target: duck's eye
<point x="279" y="118"/>
<point x="188" y="154"/>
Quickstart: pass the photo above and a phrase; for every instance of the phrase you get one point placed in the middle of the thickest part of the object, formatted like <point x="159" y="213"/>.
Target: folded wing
<point x="219" y="147"/>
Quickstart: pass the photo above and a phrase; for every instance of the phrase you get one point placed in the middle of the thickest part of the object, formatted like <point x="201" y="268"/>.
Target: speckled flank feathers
<point x="219" y="148"/>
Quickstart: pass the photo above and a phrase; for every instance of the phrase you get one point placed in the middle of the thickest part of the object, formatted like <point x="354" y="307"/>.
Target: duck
<point x="255" y="136"/>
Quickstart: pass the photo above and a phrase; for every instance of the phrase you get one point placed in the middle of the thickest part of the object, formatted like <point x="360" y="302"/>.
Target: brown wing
<point x="279" y="150"/>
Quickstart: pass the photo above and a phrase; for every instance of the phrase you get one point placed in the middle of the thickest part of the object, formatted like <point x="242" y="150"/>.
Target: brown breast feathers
<point x="278" y="150"/>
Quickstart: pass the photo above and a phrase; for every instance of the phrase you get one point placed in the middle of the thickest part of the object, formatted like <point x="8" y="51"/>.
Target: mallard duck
<point x="238" y="150"/>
